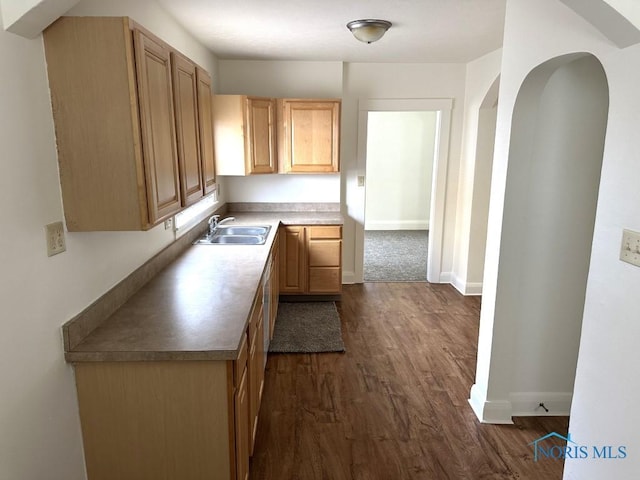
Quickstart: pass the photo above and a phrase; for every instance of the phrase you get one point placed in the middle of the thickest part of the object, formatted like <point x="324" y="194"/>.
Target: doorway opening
<point x="432" y="211"/>
<point x="529" y="338"/>
<point x="400" y="156"/>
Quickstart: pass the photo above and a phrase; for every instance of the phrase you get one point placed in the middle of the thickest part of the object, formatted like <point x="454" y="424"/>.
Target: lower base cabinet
<point x="186" y="420"/>
<point x="311" y="260"/>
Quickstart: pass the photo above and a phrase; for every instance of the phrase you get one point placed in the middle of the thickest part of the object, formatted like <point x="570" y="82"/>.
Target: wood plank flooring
<point x="394" y="406"/>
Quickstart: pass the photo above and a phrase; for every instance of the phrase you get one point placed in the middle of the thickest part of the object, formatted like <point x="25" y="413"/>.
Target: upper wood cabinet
<point x="157" y="120"/>
<point x="245" y="135"/>
<point x="309" y="135"/>
<point x="185" y="94"/>
<point x="205" y="121"/>
<point x="126" y="115"/>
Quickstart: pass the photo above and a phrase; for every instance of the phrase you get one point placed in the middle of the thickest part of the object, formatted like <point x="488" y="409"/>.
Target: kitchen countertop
<point x="198" y="307"/>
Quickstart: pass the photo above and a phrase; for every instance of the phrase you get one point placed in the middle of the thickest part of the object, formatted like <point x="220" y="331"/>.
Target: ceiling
<point x="423" y="31"/>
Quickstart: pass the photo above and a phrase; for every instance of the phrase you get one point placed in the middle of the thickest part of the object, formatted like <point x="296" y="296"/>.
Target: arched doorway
<point x="528" y="343"/>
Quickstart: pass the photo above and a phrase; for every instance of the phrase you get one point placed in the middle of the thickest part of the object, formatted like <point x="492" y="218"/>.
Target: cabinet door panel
<point x="205" y="122"/>
<point x="312" y="136"/>
<point x="325" y="231"/>
<point x="325" y="280"/>
<point x="185" y="90"/>
<point x="292" y="260"/>
<point x="324" y="253"/>
<point x="261" y="154"/>
<point x="242" y="429"/>
<point x="158" y="127"/>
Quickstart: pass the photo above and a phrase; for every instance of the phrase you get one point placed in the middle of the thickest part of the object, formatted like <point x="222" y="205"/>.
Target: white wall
<point x="475" y="166"/>
<point x="607" y="387"/>
<point x="39" y="426"/>
<point x="400" y="150"/>
<point x="398" y="81"/>
<point x="281" y="79"/>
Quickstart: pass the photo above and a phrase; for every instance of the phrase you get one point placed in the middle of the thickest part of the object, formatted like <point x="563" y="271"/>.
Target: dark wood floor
<point x="394" y="406"/>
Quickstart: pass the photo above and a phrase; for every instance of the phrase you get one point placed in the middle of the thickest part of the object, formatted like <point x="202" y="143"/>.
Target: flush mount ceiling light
<point x="369" y="30"/>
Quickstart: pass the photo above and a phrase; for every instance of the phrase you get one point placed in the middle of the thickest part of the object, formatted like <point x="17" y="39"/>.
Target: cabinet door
<point x="205" y="122"/>
<point x="160" y="156"/>
<point x="185" y="95"/>
<point x="311" y="136"/>
<point x="258" y="379"/>
<point x="242" y="428"/>
<point x="275" y="286"/>
<point x="260" y="137"/>
<point x="292" y="260"/>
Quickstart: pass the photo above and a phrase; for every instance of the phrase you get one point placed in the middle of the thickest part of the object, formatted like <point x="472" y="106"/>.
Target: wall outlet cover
<point x="630" y="248"/>
<point x="55" y="238"/>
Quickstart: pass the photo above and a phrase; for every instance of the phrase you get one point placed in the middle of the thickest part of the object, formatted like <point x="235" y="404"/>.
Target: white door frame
<point x="443" y="107"/>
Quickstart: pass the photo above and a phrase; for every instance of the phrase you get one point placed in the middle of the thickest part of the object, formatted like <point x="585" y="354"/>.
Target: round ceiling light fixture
<point x="369" y="30"/>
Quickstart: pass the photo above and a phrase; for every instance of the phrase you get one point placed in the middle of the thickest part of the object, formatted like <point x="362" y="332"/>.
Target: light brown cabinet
<point x="117" y="98"/>
<point x="255" y="366"/>
<point x="293" y="264"/>
<point x="185" y="94"/>
<point x="324" y="259"/>
<point x="274" y="283"/>
<point x="245" y="135"/>
<point x="264" y="135"/>
<point x="311" y="260"/>
<point x="205" y="125"/>
<point x="309" y="135"/>
<point x="240" y="441"/>
<point x="173" y="419"/>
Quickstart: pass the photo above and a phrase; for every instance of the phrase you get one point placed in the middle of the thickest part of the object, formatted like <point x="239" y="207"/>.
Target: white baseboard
<point x="446" y="277"/>
<point x="396" y="225"/>
<point x="466" y="288"/>
<point x="348" y="278"/>
<point x="527" y="404"/>
<point x="520" y="404"/>
<point x="490" y="411"/>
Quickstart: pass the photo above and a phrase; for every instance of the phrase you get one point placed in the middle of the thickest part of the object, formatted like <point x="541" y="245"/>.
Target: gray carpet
<point x="395" y="255"/>
<point x="307" y="327"/>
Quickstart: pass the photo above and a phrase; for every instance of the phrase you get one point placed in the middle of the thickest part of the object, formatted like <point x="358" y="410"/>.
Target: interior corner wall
<point x="480" y="75"/>
<point x="480" y="197"/>
<point x="39" y="424"/>
<point x="607" y="387"/>
<point x="400" y="152"/>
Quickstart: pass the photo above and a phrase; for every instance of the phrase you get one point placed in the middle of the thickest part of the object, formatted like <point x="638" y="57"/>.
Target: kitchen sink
<point x="238" y="239"/>
<point x="242" y="230"/>
<point x="236" y="235"/>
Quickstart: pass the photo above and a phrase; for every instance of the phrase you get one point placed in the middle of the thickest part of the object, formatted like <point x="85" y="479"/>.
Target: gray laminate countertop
<point x="198" y="307"/>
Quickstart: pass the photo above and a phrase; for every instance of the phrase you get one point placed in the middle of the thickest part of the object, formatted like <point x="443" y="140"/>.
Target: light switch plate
<point x="55" y="238"/>
<point x="361" y="180"/>
<point x="630" y="249"/>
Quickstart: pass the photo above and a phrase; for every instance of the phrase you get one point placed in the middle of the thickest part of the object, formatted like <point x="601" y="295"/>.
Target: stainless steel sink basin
<point x="236" y="235"/>
<point x="242" y="230"/>
<point x="238" y="239"/>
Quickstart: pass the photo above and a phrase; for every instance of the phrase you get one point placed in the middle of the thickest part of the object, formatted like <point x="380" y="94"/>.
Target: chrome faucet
<point x="215" y="222"/>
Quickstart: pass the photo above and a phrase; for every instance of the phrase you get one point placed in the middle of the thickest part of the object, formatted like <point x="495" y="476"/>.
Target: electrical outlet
<point x="361" y="180"/>
<point x="630" y="249"/>
<point x="168" y="223"/>
<point x="55" y="238"/>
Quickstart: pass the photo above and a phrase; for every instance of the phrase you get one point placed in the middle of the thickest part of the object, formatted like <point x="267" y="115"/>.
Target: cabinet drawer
<point x="241" y="362"/>
<point x="325" y="253"/>
<point x="325" y="231"/>
<point x="325" y="280"/>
